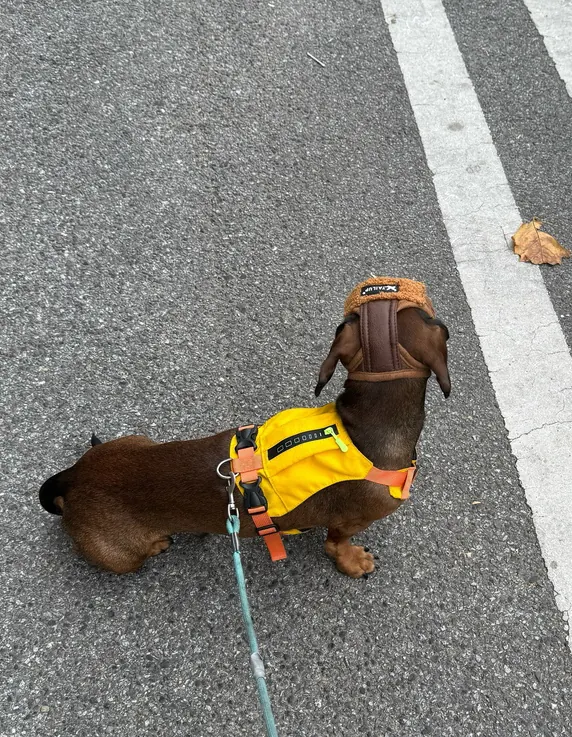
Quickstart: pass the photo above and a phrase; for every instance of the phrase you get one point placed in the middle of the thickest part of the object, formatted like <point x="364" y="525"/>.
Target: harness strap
<point x="266" y="528"/>
<point x="247" y="466"/>
<point x="399" y="482"/>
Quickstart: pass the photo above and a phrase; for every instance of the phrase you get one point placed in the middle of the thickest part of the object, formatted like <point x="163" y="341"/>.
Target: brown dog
<point x="123" y="499"/>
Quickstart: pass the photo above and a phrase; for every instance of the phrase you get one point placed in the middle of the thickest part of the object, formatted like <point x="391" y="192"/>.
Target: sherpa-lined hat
<point x="409" y="293"/>
<point x="377" y="302"/>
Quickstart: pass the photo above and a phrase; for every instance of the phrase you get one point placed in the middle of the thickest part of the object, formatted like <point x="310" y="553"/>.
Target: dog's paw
<point x="354" y="561"/>
<point x="159" y="546"/>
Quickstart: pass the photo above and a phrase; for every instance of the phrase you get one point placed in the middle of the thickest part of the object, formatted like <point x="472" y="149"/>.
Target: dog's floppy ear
<point x="426" y="340"/>
<point x="437" y="362"/>
<point x="346" y="344"/>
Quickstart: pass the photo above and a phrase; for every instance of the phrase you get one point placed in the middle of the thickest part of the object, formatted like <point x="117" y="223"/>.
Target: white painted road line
<point x="522" y="342"/>
<point x="553" y="18"/>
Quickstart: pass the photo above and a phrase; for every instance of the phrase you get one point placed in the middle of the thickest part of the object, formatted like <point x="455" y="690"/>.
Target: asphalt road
<point x="187" y="199"/>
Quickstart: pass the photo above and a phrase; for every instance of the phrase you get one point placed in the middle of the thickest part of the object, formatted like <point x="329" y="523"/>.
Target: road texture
<point x="187" y="199"/>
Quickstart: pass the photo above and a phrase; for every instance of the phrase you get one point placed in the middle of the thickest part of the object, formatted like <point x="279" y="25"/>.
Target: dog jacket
<point x="302" y="451"/>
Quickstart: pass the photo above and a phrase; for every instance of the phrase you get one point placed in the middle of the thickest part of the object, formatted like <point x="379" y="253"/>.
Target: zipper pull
<point x="341" y="445"/>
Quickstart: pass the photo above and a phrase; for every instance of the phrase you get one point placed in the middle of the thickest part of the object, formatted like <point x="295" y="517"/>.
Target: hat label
<point x="372" y="289"/>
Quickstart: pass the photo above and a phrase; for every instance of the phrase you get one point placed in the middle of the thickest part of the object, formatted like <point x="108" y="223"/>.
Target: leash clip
<point x="232" y="509"/>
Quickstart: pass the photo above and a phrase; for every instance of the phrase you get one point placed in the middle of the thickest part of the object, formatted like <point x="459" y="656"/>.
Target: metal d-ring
<point x="223" y="475"/>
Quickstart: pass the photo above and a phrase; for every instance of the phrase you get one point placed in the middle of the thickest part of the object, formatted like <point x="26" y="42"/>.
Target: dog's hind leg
<point x="118" y="553"/>
<point x="115" y="559"/>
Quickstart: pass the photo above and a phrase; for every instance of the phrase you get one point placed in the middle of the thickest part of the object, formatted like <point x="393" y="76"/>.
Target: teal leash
<point x="256" y="662"/>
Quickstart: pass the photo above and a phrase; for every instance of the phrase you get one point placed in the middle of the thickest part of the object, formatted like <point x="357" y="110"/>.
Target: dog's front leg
<point x="353" y="560"/>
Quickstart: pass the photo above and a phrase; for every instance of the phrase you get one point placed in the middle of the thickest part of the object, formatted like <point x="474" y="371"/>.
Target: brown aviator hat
<point x="369" y="348"/>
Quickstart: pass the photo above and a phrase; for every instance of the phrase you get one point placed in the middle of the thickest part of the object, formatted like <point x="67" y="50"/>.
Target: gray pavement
<point x="507" y="61"/>
<point x="188" y="198"/>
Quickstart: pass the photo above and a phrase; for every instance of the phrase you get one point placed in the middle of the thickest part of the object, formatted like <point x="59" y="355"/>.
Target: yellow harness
<point x="297" y="453"/>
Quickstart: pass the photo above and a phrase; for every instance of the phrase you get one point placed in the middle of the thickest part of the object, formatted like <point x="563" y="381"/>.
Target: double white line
<point x="523" y="345"/>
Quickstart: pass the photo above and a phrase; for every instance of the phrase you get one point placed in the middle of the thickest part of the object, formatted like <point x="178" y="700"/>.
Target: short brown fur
<point x="123" y="499"/>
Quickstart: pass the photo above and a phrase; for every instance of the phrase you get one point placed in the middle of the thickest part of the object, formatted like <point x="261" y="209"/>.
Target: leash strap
<point x="256" y="662"/>
<point x="247" y="466"/>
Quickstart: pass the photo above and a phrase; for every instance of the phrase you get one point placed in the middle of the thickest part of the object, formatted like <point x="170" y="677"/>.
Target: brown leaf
<point x="532" y="244"/>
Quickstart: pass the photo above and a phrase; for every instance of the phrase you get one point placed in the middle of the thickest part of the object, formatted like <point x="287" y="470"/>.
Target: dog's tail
<point x="53" y="492"/>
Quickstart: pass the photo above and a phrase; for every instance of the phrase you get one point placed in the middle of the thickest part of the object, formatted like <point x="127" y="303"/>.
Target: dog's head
<point x="416" y="335"/>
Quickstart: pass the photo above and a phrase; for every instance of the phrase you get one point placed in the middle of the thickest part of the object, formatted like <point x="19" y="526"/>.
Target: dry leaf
<point x="532" y="244"/>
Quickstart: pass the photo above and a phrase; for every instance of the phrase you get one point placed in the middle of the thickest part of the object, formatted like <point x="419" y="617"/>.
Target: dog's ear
<point x="346" y="344"/>
<point x="425" y="338"/>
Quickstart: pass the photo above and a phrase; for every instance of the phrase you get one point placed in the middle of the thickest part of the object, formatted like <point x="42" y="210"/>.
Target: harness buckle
<point x="253" y="496"/>
<point x="246" y="437"/>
